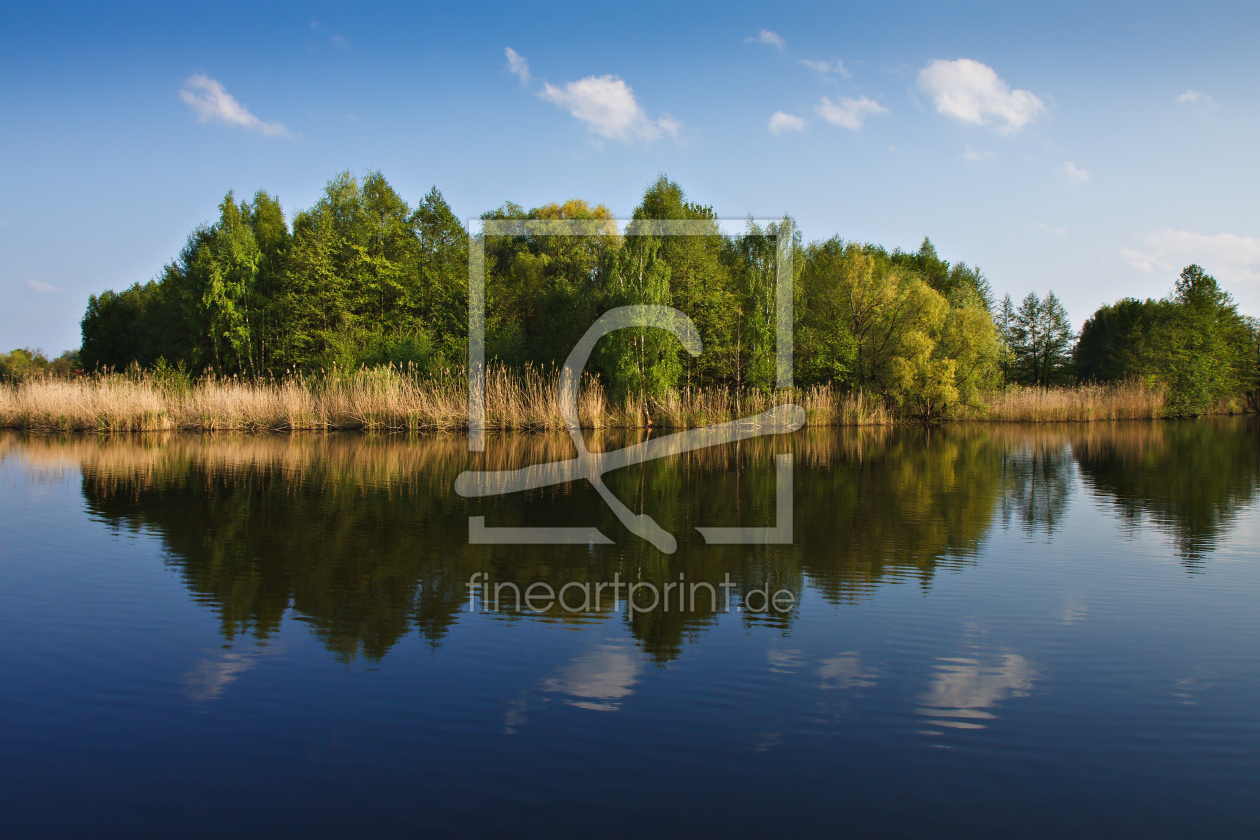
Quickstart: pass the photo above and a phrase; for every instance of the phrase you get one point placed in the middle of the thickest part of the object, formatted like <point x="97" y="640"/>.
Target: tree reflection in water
<point x="363" y="538"/>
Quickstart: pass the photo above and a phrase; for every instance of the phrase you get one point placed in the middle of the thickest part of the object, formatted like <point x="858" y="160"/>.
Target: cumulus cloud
<point x="609" y="108"/>
<point x="42" y="288"/>
<point x="781" y="122"/>
<point x="849" y="112"/>
<point x="1074" y="174"/>
<point x="212" y="103"/>
<point x="765" y="36"/>
<point x="1199" y="103"/>
<point x="972" y="92"/>
<point x="974" y="155"/>
<point x="1231" y="258"/>
<point x="827" y="68"/>
<point x="517" y="65"/>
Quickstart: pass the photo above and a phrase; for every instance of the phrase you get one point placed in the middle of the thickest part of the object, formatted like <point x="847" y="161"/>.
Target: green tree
<point x="22" y="363"/>
<point x="544" y="291"/>
<point x="1041" y="340"/>
<point x="1121" y="340"/>
<point x="440" y="292"/>
<point x="137" y="325"/>
<point x="272" y="236"/>
<point x="639" y="360"/>
<point x="1194" y="341"/>
<point x="701" y="284"/>
<point x="1006" y="329"/>
<point x="943" y="277"/>
<point x="226" y="267"/>
<point x="972" y="341"/>
<point x="825" y="349"/>
<point x="1202" y="345"/>
<point x="880" y="305"/>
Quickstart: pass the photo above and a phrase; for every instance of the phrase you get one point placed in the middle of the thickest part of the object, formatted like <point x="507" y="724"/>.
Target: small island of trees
<point x="364" y="285"/>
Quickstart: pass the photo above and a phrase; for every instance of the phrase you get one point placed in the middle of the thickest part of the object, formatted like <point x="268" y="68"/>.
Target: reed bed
<point x="386" y="399"/>
<point x="1081" y="403"/>
<point x="390" y="399"/>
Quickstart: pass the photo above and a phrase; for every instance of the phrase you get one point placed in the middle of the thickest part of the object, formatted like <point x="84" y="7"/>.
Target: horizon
<point x="1042" y="147"/>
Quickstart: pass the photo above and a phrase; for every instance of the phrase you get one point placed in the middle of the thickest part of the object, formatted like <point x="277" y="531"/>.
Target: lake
<point x="976" y="631"/>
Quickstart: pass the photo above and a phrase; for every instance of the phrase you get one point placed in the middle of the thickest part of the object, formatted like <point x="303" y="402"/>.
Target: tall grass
<point x="383" y="399"/>
<point x="391" y="399"/>
<point x="1117" y="401"/>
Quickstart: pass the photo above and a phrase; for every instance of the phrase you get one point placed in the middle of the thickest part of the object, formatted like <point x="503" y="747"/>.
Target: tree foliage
<point x="1194" y="341"/>
<point x="874" y="323"/>
<point x="24" y="363"/>
<point x="1037" y="340"/>
<point x="359" y="278"/>
<point x="363" y="278"/>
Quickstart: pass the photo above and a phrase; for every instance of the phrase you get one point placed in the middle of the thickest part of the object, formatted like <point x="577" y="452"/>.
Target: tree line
<point x="26" y="362"/>
<point x="363" y="279"/>
<point x="1195" y="341"/>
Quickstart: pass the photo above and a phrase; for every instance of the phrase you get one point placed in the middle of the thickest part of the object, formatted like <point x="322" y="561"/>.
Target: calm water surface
<point x="992" y="631"/>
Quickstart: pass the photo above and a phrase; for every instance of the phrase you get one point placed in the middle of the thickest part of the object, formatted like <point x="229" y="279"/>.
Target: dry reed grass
<point x="1082" y="403"/>
<point x="389" y="399"/>
<point x="386" y="399"/>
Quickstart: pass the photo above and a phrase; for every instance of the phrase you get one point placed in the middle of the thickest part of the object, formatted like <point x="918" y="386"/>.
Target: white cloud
<point x="1050" y="229"/>
<point x="214" y="104"/>
<point x="964" y="690"/>
<point x="973" y="93"/>
<point x="846" y="671"/>
<point x="210" y="678"/>
<point x="1199" y="103"/>
<point x="974" y="155"/>
<point x="42" y="288"/>
<point x="828" y="67"/>
<point x="784" y="661"/>
<point x="1230" y="258"/>
<point x="599" y="680"/>
<point x="1075" y="175"/>
<point x="517" y="65"/>
<point x="781" y="122"/>
<point x="609" y="108"/>
<point x="765" y="36"/>
<point x="849" y="112"/>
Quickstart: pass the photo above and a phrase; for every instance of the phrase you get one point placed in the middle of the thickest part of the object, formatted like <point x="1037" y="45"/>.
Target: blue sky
<point x="1092" y="149"/>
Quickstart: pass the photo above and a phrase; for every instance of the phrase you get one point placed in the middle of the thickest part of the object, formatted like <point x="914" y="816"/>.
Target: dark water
<point x="991" y="631"/>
